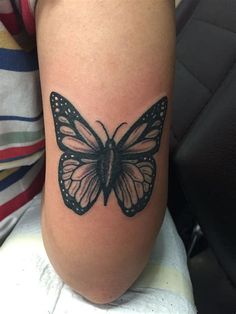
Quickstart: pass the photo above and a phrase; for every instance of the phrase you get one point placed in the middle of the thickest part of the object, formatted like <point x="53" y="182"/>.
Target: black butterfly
<point x="89" y="166"/>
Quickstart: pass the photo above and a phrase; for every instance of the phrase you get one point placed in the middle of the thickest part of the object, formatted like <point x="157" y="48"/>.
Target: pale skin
<point x="113" y="60"/>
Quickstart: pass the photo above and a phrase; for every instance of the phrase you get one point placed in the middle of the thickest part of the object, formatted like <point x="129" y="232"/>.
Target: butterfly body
<point x="109" y="167"/>
<point x="89" y="166"/>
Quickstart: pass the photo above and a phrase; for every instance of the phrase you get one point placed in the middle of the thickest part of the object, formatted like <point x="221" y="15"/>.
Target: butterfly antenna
<point x="119" y="126"/>
<point x="105" y="130"/>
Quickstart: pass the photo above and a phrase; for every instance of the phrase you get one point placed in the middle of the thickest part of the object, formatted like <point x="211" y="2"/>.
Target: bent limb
<point x="106" y="182"/>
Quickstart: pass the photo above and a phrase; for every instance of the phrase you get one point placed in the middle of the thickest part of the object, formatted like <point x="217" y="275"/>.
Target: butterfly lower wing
<point x="79" y="182"/>
<point x="133" y="188"/>
<point x="144" y="136"/>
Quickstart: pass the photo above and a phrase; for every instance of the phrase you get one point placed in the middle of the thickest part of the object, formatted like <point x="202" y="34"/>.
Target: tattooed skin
<point x="89" y="166"/>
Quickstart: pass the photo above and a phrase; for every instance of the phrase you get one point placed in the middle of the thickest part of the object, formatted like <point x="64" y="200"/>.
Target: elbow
<point x="96" y="279"/>
<point x="99" y="272"/>
<point x="98" y="290"/>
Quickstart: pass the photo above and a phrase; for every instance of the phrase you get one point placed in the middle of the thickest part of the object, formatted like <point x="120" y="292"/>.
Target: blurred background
<point x="202" y="179"/>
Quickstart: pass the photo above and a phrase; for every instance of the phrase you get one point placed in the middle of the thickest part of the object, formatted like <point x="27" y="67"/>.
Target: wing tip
<point x="163" y="101"/>
<point x="164" y="98"/>
<point x="53" y="94"/>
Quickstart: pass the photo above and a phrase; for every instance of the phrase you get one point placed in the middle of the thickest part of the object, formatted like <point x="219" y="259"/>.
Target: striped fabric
<point x="21" y="120"/>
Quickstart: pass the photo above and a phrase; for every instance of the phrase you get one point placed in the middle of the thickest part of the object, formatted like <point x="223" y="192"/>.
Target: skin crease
<point x="112" y="60"/>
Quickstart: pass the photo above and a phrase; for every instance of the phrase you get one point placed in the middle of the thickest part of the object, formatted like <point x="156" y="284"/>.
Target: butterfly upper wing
<point x="144" y="136"/>
<point x="134" y="185"/>
<point x="73" y="133"/>
<point x="78" y="179"/>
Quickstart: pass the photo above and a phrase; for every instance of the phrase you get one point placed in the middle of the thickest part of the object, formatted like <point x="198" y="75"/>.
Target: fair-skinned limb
<point x="106" y="70"/>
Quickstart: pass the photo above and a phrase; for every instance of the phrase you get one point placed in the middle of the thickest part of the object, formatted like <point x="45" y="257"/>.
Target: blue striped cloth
<point x="21" y="118"/>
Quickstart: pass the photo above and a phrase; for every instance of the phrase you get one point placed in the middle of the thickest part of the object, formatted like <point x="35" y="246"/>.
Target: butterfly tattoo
<point x="90" y="166"/>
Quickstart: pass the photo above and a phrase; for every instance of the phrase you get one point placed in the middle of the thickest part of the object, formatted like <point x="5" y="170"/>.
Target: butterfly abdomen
<point x="109" y="167"/>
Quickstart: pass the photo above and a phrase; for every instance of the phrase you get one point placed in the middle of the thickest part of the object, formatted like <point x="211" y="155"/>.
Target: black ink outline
<point x="110" y="164"/>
